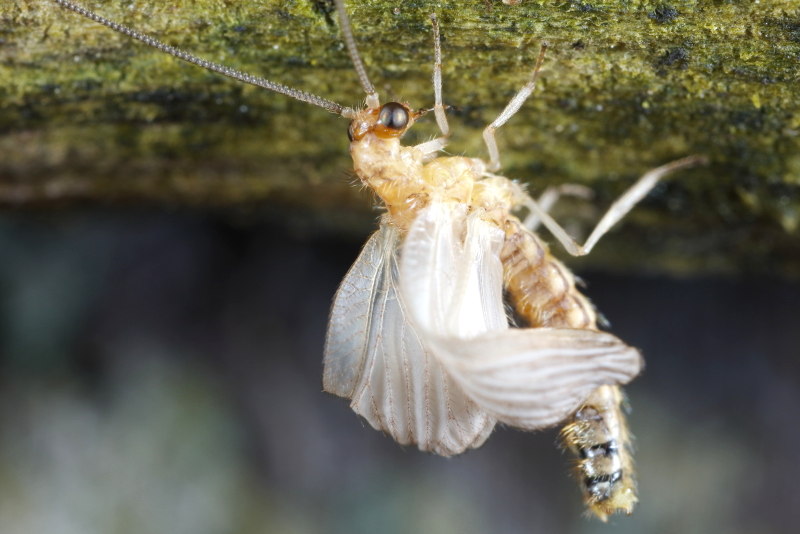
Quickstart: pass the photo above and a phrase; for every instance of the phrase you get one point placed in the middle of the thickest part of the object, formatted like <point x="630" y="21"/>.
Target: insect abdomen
<point x="598" y="436"/>
<point x="543" y="294"/>
<point x="539" y="287"/>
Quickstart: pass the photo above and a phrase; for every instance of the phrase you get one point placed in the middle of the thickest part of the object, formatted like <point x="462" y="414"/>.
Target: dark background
<point x="161" y="373"/>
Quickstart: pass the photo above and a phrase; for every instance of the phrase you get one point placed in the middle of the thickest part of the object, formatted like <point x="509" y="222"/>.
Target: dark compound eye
<point x="393" y="116"/>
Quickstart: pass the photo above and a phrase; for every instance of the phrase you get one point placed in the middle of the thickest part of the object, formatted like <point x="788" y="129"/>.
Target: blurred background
<point x="160" y="373"/>
<point x="160" y="370"/>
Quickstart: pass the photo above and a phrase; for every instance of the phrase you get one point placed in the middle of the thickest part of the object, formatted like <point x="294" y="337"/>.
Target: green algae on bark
<point x="89" y="115"/>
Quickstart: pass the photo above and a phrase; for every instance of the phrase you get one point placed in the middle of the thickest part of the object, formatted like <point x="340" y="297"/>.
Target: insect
<point x="419" y="339"/>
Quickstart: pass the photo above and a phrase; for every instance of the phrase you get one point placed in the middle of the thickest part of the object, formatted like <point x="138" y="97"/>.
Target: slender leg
<point x="512" y="107"/>
<point x="551" y="196"/>
<point x="438" y="107"/>
<point x="618" y="209"/>
<point x="430" y="149"/>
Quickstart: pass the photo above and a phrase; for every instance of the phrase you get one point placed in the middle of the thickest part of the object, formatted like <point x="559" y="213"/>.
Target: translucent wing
<point x="349" y="328"/>
<point x="451" y="274"/>
<point x="536" y="377"/>
<point x="374" y="357"/>
<point x="451" y="277"/>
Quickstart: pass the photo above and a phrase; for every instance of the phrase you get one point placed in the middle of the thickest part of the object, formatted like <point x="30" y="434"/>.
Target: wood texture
<point x="90" y="117"/>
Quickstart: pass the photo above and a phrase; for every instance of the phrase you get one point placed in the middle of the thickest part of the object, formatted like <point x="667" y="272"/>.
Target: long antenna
<point x="350" y="42"/>
<point x="297" y="94"/>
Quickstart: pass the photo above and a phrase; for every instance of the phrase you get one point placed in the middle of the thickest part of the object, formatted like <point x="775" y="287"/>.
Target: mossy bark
<point x="90" y="116"/>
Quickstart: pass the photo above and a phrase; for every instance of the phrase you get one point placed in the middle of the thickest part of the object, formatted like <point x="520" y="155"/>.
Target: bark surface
<point x="90" y="117"/>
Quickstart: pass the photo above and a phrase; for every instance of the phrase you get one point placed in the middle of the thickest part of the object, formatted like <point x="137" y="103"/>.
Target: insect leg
<point x="430" y="149"/>
<point x="438" y="107"/>
<point x="551" y="196"/>
<point x="618" y="209"/>
<point x="511" y="108"/>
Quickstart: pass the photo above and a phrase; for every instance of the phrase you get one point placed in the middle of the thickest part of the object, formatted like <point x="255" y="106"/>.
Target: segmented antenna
<point x="350" y="42"/>
<point x="297" y="94"/>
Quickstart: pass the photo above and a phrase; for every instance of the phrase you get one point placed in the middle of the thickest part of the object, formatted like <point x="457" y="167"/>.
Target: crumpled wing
<point x="452" y="278"/>
<point x="451" y="275"/>
<point x="374" y="357"/>
<point x="536" y="377"/>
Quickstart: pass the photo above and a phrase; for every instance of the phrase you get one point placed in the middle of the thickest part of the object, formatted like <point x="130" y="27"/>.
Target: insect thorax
<point x="408" y="178"/>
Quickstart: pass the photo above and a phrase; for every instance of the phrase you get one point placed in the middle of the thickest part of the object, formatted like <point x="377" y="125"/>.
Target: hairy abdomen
<point x="538" y="286"/>
<point x="542" y="292"/>
<point x="598" y="436"/>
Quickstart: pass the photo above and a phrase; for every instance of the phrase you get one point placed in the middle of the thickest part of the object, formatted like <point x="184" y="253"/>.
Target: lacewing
<point x="419" y="339"/>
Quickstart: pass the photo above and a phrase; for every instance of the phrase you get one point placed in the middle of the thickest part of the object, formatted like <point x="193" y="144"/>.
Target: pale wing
<point x="374" y="357"/>
<point x="536" y="377"/>
<point x="347" y="339"/>
<point x="451" y="274"/>
<point x="531" y="378"/>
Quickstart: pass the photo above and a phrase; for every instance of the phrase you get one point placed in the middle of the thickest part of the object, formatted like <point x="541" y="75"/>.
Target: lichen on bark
<point x="88" y="115"/>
